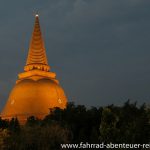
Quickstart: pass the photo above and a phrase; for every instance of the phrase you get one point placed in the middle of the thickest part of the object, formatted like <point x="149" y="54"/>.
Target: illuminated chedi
<point x="36" y="90"/>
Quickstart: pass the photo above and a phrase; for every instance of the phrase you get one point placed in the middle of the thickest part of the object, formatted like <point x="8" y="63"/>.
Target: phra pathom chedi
<point x="36" y="90"/>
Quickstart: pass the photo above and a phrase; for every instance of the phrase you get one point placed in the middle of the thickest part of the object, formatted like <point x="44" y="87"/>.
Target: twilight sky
<point x="99" y="49"/>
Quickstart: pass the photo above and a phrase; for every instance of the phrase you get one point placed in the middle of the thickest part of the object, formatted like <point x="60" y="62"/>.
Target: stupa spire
<point x="37" y="54"/>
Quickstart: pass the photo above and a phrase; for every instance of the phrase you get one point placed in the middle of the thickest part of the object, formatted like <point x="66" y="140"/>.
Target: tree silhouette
<point x="117" y="124"/>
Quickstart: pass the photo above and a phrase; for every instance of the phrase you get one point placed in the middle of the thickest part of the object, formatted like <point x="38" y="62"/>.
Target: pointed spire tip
<point x="36" y="54"/>
<point x="36" y="15"/>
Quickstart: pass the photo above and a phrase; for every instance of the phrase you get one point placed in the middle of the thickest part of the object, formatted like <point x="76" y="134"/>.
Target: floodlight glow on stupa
<point x="37" y="90"/>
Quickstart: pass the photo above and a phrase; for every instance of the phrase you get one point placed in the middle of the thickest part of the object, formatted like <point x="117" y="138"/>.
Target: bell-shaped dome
<point x="29" y="97"/>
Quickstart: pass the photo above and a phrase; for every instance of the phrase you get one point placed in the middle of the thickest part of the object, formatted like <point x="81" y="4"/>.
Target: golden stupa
<point x="36" y="90"/>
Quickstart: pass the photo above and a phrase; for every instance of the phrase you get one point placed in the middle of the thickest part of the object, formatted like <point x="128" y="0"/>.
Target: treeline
<point x="117" y="124"/>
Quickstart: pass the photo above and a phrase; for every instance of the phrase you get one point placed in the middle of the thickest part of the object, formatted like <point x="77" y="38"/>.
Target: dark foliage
<point x="126" y="124"/>
<point x="83" y="123"/>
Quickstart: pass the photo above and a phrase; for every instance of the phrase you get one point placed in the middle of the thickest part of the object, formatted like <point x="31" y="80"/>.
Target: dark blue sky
<point x="100" y="49"/>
